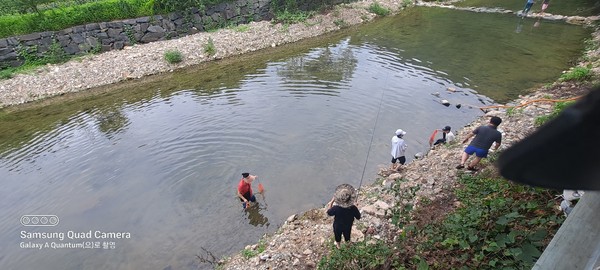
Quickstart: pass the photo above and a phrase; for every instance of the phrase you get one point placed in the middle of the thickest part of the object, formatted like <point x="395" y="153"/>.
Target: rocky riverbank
<point x="302" y="240"/>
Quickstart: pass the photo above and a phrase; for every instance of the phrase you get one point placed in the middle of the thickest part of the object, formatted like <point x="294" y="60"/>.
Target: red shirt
<point x="244" y="188"/>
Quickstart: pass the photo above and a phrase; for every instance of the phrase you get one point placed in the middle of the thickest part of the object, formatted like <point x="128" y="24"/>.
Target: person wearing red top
<point x="244" y="191"/>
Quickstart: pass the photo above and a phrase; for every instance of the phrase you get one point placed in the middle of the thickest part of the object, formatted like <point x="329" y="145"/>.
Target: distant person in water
<point x="244" y="190"/>
<point x="398" y="149"/>
<point x="344" y="212"/>
<point x="527" y="7"/>
<point x="545" y="5"/>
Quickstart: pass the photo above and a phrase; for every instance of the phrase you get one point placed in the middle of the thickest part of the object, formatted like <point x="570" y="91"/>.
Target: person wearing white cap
<point x="398" y="149"/>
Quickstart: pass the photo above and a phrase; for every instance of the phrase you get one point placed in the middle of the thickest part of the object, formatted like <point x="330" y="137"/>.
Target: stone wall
<point x="115" y="35"/>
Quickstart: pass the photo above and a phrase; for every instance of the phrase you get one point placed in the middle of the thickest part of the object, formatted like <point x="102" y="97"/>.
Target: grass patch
<point x="558" y="108"/>
<point x="249" y="253"/>
<point x="340" y="23"/>
<point x="173" y="56"/>
<point x="378" y="9"/>
<point x="577" y="74"/>
<point x="242" y="28"/>
<point x="287" y="17"/>
<point x="360" y="255"/>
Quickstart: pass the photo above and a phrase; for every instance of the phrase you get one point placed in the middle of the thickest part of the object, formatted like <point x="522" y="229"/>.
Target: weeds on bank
<point x="513" y="111"/>
<point x="209" y="47"/>
<point x="249" y="253"/>
<point x="173" y="56"/>
<point x="288" y="17"/>
<point x="577" y="74"/>
<point x="241" y="28"/>
<point x="407" y="3"/>
<point x="359" y="255"/>
<point x="54" y="55"/>
<point x="378" y="9"/>
<point x="558" y="108"/>
<point x="340" y="23"/>
<point x="498" y="225"/>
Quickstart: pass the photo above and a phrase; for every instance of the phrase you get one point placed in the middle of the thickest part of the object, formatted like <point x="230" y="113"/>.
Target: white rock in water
<point x="419" y="155"/>
<point x="445" y="102"/>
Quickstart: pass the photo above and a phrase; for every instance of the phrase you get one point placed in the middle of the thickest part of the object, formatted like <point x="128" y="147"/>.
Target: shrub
<point x="378" y="9"/>
<point x="209" y="47"/>
<point x="173" y="56"/>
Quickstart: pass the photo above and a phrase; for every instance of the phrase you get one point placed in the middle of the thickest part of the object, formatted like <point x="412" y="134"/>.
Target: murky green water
<point x="160" y="159"/>
<point x="556" y="7"/>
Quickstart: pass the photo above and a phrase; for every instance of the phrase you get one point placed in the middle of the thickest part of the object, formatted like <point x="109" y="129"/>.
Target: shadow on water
<point x="160" y="157"/>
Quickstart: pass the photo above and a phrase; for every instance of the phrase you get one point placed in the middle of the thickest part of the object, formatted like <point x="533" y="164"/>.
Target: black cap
<point x="446" y="128"/>
<point x="245" y="175"/>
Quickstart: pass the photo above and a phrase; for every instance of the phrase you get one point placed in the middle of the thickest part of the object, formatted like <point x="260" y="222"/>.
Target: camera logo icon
<point x="39" y="220"/>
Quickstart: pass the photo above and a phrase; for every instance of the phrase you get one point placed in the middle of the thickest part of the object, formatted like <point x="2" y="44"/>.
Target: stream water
<point x="159" y="160"/>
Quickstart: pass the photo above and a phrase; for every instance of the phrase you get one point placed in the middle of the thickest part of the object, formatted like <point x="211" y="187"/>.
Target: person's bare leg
<point x="475" y="162"/>
<point x="464" y="158"/>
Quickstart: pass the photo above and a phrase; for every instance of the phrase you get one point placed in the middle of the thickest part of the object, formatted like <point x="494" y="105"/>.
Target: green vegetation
<point x="63" y="17"/>
<point x="558" y="108"/>
<point x="407" y="3"/>
<point x="361" y="255"/>
<point x="577" y="74"/>
<point x="378" y="9"/>
<point x="249" y="253"/>
<point x="341" y="23"/>
<point x="173" y="56"/>
<point x="241" y="28"/>
<point x="19" y="17"/>
<point x="287" y="17"/>
<point x="209" y="47"/>
<point x="513" y="111"/>
<point x="496" y="225"/>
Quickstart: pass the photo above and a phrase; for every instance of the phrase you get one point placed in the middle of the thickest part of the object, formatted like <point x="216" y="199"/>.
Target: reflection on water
<point x="255" y="217"/>
<point x="161" y="159"/>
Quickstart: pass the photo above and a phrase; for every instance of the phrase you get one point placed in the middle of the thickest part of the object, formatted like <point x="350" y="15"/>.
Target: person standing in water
<point x="545" y="5"/>
<point x="244" y="190"/>
<point x="527" y="7"/>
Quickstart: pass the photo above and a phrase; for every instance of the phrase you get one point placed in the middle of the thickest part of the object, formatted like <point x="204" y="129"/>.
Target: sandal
<point x="473" y="169"/>
<point x="460" y="166"/>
